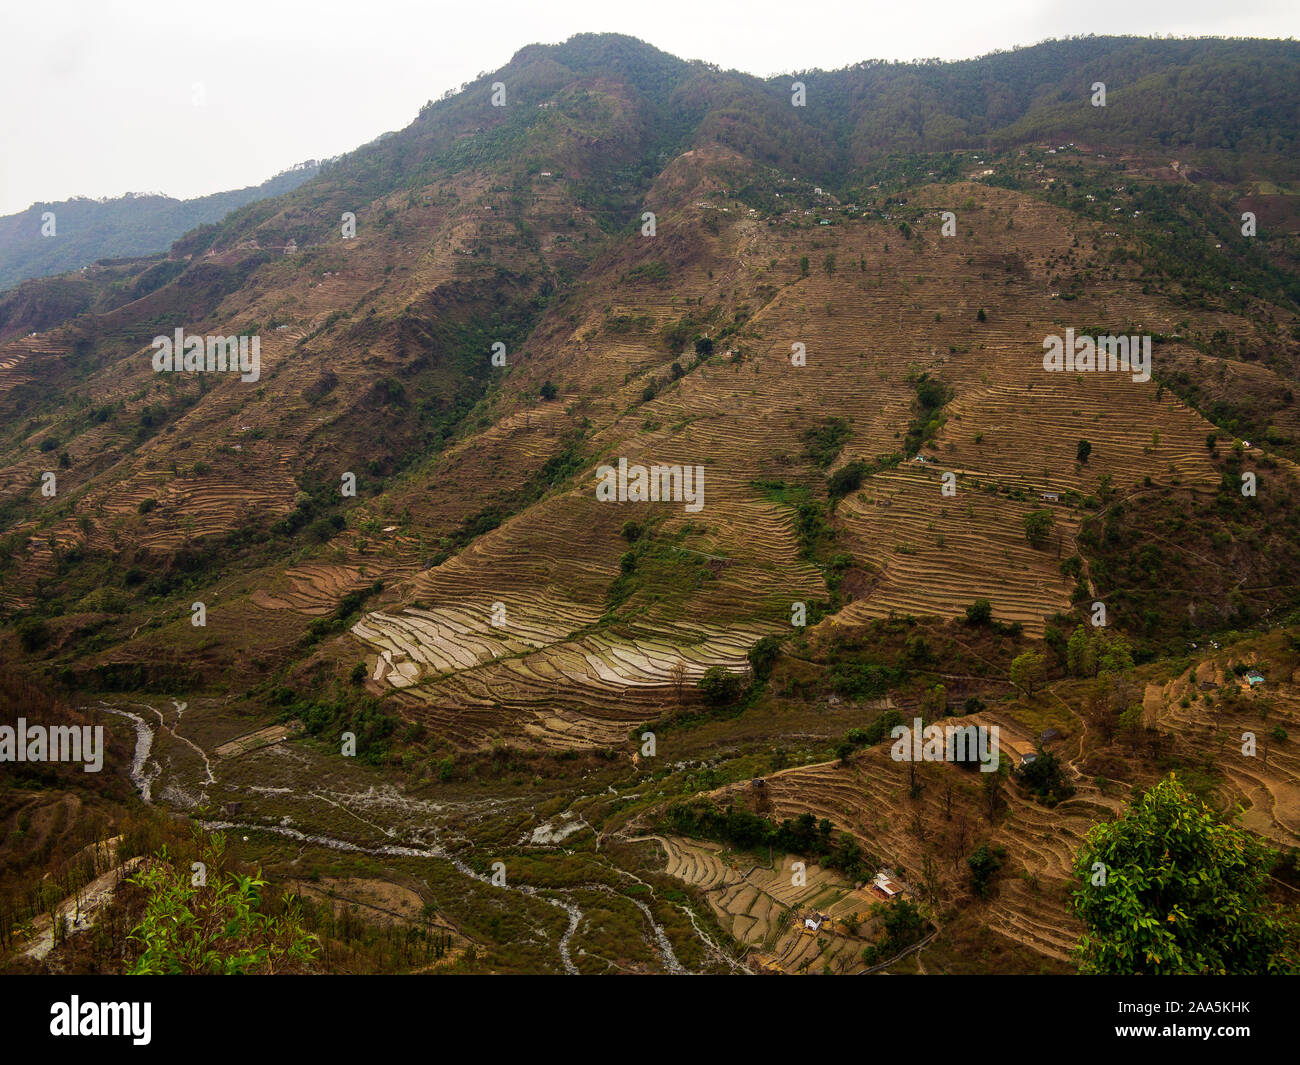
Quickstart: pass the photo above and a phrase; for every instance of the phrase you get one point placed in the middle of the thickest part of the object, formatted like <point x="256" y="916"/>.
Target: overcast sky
<point x="99" y="97"/>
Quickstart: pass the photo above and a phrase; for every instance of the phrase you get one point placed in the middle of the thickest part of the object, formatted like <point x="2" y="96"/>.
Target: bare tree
<point x="931" y="883"/>
<point x="991" y="786"/>
<point x="678" y="675"/>
<point x="917" y="827"/>
<point x="958" y="839"/>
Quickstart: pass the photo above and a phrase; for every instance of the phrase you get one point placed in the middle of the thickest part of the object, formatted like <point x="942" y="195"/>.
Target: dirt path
<point x="78" y="911"/>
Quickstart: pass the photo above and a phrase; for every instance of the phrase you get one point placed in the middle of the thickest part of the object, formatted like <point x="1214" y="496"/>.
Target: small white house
<point x="886" y="886"/>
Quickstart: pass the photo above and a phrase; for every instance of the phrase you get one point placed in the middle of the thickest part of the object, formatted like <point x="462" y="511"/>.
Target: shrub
<point x="1038" y="524"/>
<point x="33" y="634"/>
<point x="719" y="686"/>
<point x="220" y="927"/>
<point x="847" y="479"/>
<point x="321" y="530"/>
<point x="984" y="864"/>
<point x="763" y="655"/>
<point x="1044" y="778"/>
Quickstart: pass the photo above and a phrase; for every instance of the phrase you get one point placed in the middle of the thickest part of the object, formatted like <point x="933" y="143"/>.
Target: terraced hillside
<point x="767" y="911"/>
<point x="1195" y="719"/>
<point x="392" y="543"/>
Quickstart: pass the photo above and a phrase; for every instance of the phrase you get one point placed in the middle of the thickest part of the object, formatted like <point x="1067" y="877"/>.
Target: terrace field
<point x="368" y="616"/>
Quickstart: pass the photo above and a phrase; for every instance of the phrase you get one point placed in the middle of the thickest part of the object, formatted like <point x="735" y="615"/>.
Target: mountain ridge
<point x="88" y="229"/>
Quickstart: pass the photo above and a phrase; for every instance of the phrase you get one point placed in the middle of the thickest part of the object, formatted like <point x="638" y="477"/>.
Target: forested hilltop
<point x="86" y="230"/>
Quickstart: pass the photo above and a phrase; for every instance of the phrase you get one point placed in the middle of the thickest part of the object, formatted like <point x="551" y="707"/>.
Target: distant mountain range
<point x="86" y="230"/>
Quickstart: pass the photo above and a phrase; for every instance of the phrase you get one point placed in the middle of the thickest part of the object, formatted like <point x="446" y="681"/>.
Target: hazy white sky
<point x="98" y="97"/>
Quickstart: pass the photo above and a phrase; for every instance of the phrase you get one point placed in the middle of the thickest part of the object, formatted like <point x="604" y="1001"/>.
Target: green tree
<point x="217" y="927"/>
<point x="803" y="266"/>
<point x="1168" y="889"/>
<point x="1113" y="653"/>
<point x="979" y="612"/>
<point x="1028" y="670"/>
<point x="1092" y="651"/>
<point x="1038" y="523"/>
<point x="934" y="703"/>
<point x="1081" y="654"/>
<point x="903" y="925"/>
<point x="762" y="656"/>
<point x="984" y="864"/>
<point x="1083" y="451"/>
<point x="719" y="686"/>
<point x="1044" y="778"/>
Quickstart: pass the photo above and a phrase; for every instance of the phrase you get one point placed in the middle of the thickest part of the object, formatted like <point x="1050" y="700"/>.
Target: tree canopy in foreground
<point x="1168" y="889"/>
